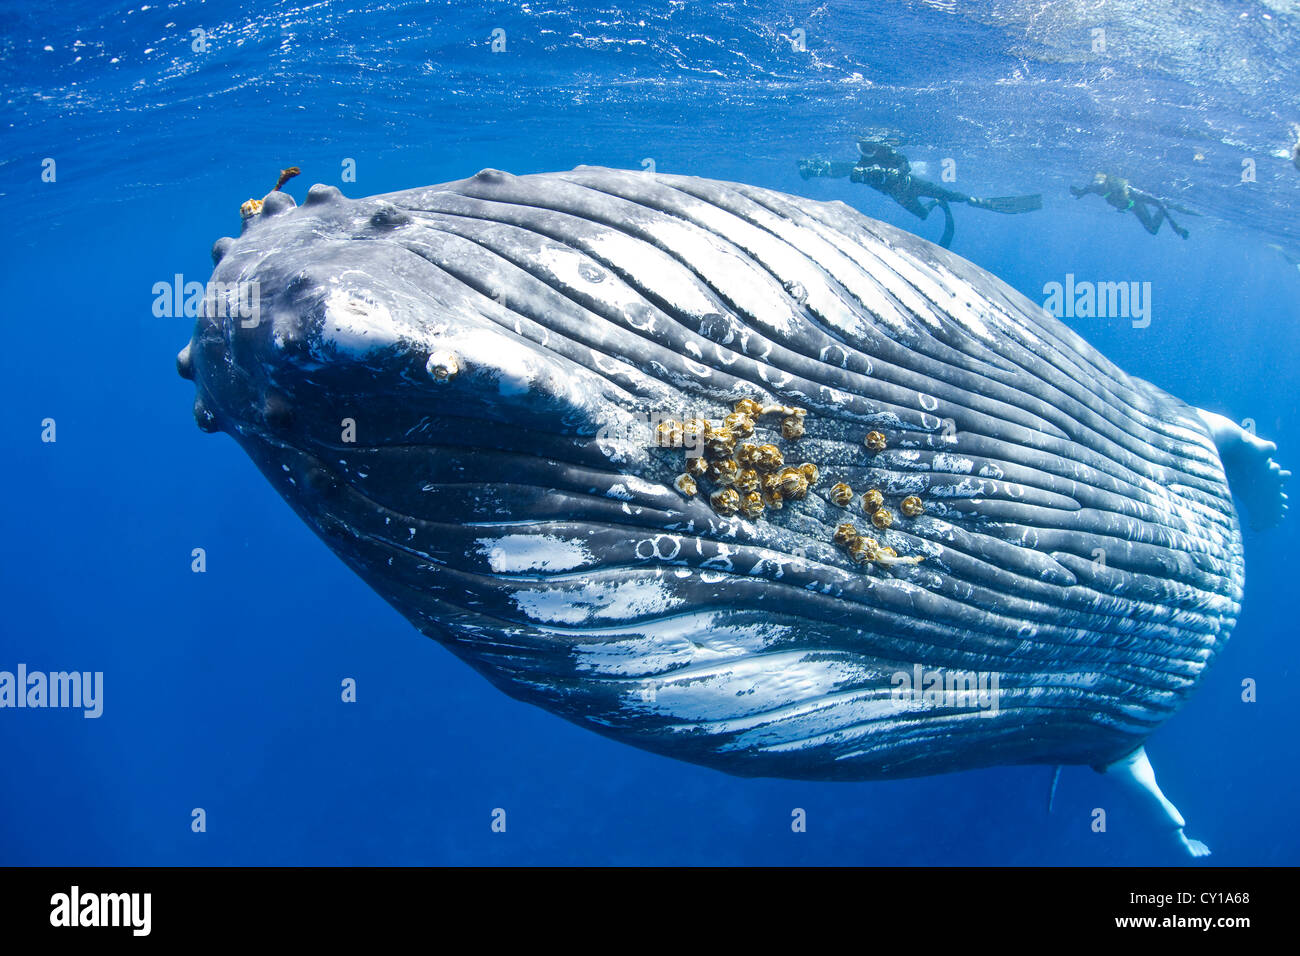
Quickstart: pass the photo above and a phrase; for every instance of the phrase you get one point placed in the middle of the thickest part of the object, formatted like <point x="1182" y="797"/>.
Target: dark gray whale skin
<point x="1079" y="539"/>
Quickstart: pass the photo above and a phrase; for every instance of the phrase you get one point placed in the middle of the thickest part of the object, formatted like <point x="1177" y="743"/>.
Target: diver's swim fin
<point x="1013" y="204"/>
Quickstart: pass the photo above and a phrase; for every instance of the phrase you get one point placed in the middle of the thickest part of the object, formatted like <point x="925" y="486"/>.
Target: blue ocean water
<point x="221" y="689"/>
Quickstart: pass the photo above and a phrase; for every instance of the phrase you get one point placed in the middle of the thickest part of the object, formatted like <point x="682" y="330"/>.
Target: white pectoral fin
<point x="1136" y="774"/>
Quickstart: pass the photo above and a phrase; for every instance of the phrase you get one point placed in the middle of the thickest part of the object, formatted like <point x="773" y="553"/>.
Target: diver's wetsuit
<point x="1150" y="210"/>
<point x="886" y="170"/>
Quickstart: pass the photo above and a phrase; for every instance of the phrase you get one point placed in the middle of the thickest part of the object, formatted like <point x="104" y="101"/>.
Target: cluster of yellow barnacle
<point x="861" y="549"/>
<point x="750" y="477"/>
<point x="873" y="504"/>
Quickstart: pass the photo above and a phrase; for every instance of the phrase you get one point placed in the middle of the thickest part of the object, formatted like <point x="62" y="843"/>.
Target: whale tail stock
<point x="1253" y="475"/>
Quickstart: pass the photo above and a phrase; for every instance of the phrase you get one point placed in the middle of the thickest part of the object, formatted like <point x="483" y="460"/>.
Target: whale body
<point x="465" y="389"/>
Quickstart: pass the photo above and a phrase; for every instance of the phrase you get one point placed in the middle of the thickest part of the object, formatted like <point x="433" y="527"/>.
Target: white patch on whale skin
<point x="595" y="600"/>
<point x="515" y="374"/>
<point x="516" y="553"/>
<point x="735" y="693"/>
<point x="659" y="650"/>
<point x="631" y="486"/>
<point x="514" y="364"/>
<point x="356" y="325"/>
<point x="947" y="462"/>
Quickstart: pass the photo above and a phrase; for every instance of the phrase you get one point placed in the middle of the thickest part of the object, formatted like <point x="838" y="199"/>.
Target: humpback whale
<point x="734" y="476"/>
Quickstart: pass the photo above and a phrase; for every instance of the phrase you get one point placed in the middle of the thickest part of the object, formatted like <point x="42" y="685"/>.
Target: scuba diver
<point x="1150" y="210"/>
<point x="885" y="169"/>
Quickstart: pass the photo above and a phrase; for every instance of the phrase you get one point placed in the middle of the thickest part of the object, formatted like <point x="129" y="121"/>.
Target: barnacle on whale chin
<point x="668" y="434"/>
<point x="875" y="441"/>
<point x="725" y="501"/>
<point x="770" y="457"/>
<point x="721" y="443"/>
<point x="792" y="484"/>
<point x="739" y="424"/>
<point x="694" y="432"/>
<point x="872" y="501"/>
<point x="841" y="494"/>
<point x="443" y="366"/>
<point x="723" y="470"/>
<point x="912" y="506"/>
<point x="748" y="480"/>
<point x="859" y="551"/>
